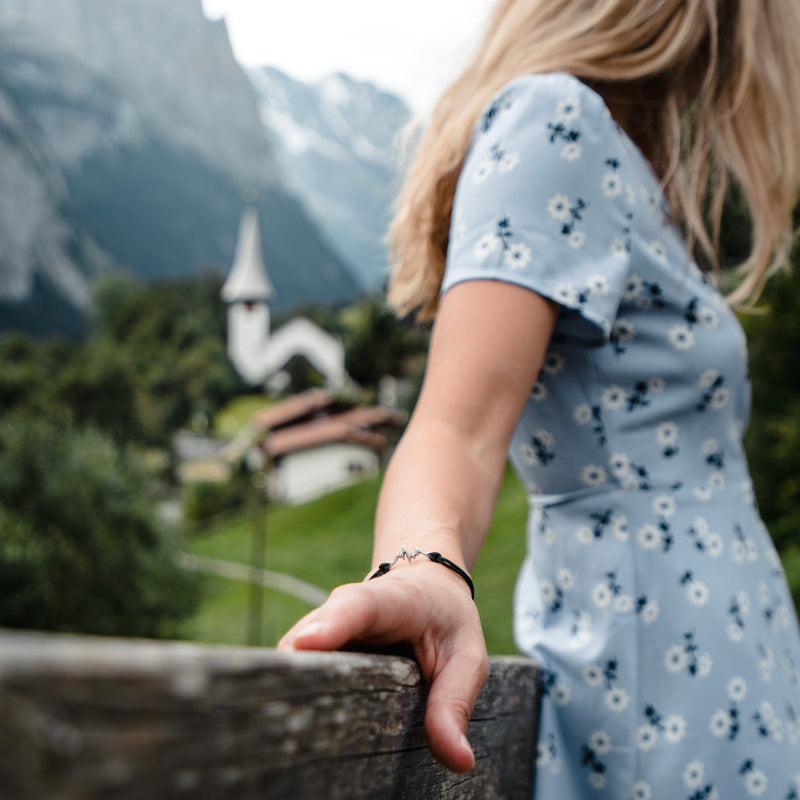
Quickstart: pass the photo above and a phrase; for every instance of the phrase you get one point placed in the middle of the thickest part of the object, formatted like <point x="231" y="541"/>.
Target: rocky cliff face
<point x="127" y="134"/>
<point x="335" y="144"/>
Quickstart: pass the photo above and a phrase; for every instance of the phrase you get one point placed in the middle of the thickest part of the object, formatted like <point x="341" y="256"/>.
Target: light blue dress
<point x="651" y="593"/>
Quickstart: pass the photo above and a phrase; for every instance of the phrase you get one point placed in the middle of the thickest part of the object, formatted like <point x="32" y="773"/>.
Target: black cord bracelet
<point x="437" y="558"/>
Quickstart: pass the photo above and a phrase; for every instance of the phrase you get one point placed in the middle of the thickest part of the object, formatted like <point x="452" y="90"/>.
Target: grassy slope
<point x="328" y="542"/>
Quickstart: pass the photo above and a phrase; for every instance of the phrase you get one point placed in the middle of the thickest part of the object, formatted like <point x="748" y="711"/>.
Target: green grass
<point x="328" y="542"/>
<point x="238" y="414"/>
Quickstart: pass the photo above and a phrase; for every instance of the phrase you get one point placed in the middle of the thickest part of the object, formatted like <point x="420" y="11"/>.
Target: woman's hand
<point x="430" y="608"/>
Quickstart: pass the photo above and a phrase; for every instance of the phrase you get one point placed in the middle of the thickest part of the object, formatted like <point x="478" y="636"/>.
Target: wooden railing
<point x="87" y="718"/>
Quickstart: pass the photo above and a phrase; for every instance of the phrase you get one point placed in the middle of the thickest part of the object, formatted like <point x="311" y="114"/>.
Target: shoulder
<point x="555" y="102"/>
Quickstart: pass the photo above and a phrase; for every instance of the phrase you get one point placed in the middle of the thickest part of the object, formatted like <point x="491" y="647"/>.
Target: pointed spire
<point x="248" y="280"/>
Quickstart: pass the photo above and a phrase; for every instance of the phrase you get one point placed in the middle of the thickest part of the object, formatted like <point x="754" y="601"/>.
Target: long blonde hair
<point x="714" y="83"/>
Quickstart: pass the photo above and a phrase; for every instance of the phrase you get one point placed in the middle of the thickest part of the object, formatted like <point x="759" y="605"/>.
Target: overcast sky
<point x="412" y="47"/>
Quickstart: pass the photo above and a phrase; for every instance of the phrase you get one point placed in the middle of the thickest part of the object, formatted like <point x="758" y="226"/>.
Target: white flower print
<point x="611" y="184"/>
<point x="646" y="736"/>
<point x="459" y="227"/>
<point x="719" y="398"/>
<point x="585" y="535"/>
<point x="528" y="453"/>
<point x="543" y="755"/>
<point x="571" y="151"/>
<point x="681" y="337"/>
<point x="565" y="579"/>
<point x="576" y="240"/>
<point x="716" y="480"/>
<point x="698" y="593"/>
<point x="582" y="414"/>
<point x="558" y="207"/>
<point x="659" y="250"/>
<point x="613" y="398"/>
<point x="719" y="724"/>
<point x="650" y="612"/>
<point x="709" y="446"/>
<point x="485" y="246"/>
<point x="642" y="791"/>
<point x="482" y="171"/>
<point x="592" y="475"/>
<point x="565" y="294"/>
<point x="598" y="285"/>
<point x="618" y="248"/>
<point x="617" y="700"/>
<point x="694" y="774"/>
<point x="707" y="317"/>
<point x="714" y="545"/>
<point x="708" y="378"/>
<point x="735" y="632"/>
<point x="547" y="591"/>
<point x="656" y="385"/>
<point x="623" y="330"/>
<point x="597" y="780"/>
<point x="568" y="109"/>
<point x="623" y="604"/>
<point x="674" y="728"/>
<point x="508" y="163"/>
<point x="737" y="689"/>
<point x="743" y="601"/>
<point x="630" y="195"/>
<point x="601" y="595"/>
<point x="553" y="362"/>
<point x="675" y="658"/>
<point x="539" y="392"/>
<point x="517" y="256"/>
<point x="664" y="505"/>
<point x="667" y="433"/>
<point x="600" y="742"/>
<point x="619" y="464"/>
<point x="545" y="437"/>
<point x="704" y="664"/>
<point x="619" y="527"/>
<point x="755" y="782"/>
<point x="649" y="536"/>
<point x="633" y="287"/>
<point x="592" y="675"/>
<point x="561" y="694"/>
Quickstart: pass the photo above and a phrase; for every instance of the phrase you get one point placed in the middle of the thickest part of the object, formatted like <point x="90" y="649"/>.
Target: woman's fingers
<point x="453" y="692"/>
<point x="444" y="629"/>
<point x="360" y="612"/>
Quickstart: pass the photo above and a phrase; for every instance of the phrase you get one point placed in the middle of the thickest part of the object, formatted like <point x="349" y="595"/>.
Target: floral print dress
<point x="651" y="593"/>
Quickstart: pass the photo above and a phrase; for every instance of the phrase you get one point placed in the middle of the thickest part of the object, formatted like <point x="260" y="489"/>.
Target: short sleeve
<point x="541" y="202"/>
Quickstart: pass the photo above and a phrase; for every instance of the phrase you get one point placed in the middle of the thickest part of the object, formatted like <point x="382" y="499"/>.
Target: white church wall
<point x="307" y="474"/>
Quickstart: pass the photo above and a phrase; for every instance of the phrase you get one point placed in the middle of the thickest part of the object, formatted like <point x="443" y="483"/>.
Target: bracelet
<point x="438" y="558"/>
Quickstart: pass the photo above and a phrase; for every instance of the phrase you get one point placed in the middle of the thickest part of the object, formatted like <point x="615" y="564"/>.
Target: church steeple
<point x="248" y="281"/>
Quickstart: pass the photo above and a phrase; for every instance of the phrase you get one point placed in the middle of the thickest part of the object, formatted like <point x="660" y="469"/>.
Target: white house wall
<point x="308" y="474"/>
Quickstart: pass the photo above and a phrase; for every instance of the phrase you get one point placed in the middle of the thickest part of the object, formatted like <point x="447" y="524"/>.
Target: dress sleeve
<point x="541" y="202"/>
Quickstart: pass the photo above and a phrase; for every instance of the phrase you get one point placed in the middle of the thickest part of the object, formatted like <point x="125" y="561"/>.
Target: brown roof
<point x="295" y="407"/>
<point x="320" y="432"/>
<point x="372" y="416"/>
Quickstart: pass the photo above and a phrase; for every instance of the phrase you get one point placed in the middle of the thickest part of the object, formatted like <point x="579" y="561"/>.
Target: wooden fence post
<point x="86" y="718"/>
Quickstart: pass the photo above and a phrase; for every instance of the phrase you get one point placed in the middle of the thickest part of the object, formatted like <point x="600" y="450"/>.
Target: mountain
<point x="335" y="145"/>
<point x="127" y="135"/>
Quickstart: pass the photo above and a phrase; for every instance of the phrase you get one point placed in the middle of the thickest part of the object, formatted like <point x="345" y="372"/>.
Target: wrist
<point x="434" y="556"/>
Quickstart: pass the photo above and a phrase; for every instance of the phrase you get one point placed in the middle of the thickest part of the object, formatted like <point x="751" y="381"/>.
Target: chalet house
<point x="315" y="445"/>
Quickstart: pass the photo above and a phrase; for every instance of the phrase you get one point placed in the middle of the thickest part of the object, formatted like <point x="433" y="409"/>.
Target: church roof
<point x="248" y="280"/>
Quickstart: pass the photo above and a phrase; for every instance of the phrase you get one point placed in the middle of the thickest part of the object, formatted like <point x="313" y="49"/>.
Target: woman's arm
<point x="488" y="344"/>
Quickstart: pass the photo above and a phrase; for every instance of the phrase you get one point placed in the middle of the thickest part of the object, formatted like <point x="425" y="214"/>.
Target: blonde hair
<point x="715" y="85"/>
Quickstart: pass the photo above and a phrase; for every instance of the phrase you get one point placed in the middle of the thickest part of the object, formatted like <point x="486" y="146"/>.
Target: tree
<point x="80" y="546"/>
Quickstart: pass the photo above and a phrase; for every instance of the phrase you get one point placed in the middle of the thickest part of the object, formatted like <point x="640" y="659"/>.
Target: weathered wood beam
<point x="88" y="718"/>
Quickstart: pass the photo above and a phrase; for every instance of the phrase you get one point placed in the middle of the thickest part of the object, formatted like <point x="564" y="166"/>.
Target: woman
<point x="547" y="220"/>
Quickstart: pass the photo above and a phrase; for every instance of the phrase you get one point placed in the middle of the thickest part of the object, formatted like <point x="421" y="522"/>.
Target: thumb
<point x="453" y="692"/>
